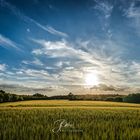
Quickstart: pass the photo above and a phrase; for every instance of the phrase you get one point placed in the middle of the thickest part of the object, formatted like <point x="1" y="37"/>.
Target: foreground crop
<point x="32" y="122"/>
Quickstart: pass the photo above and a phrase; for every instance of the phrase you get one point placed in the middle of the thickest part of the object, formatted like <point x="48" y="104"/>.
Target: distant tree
<point x="38" y="95"/>
<point x="109" y="99"/>
<point x="71" y="96"/>
<point x="118" y="99"/>
<point x="6" y="97"/>
<point x="20" y="98"/>
<point x="14" y="97"/>
<point x="1" y="97"/>
<point x="2" y="91"/>
<point x="132" y="98"/>
<point x="114" y="99"/>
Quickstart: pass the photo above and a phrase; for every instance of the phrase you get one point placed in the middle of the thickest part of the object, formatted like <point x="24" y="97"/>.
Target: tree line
<point x="131" y="98"/>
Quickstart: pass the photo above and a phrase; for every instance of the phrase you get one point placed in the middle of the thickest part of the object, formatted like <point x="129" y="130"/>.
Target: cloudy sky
<point x="59" y="42"/>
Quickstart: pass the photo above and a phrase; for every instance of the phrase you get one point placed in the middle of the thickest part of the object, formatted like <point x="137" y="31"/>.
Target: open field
<point x="82" y="120"/>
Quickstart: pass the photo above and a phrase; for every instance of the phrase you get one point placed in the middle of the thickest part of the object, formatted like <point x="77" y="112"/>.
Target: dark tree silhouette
<point x="71" y="96"/>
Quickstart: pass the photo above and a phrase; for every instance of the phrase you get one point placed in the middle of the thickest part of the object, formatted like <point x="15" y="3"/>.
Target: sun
<point x="91" y="79"/>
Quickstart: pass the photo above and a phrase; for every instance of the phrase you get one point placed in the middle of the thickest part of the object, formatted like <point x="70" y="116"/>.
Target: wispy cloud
<point x="133" y="13"/>
<point x="62" y="63"/>
<point x="54" y="49"/>
<point x="104" y="9"/>
<point x="55" y="32"/>
<point x="3" y="67"/>
<point x="49" y="29"/>
<point x="7" y="43"/>
<point x="36" y="61"/>
<point x="27" y="19"/>
<point x="28" y="74"/>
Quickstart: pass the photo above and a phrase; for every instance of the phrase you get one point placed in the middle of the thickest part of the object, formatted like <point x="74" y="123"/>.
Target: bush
<point x="71" y="96"/>
<point x="114" y="99"/>
<point x="132" y="98"/>
<point x="38" y="95"/>
<point x="7" y="97"/>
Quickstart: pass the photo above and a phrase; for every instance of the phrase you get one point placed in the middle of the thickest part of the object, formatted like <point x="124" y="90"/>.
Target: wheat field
<point x="71" y="120"/>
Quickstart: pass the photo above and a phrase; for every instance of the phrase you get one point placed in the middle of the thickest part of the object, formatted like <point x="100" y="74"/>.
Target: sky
<point x="58" y="43"/>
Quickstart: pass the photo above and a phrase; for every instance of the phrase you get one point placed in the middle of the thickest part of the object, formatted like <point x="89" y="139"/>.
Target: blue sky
<point x="51" y="42"/>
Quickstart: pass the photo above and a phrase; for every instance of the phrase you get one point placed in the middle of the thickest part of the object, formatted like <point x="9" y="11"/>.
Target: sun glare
<point x="91" y="79"/>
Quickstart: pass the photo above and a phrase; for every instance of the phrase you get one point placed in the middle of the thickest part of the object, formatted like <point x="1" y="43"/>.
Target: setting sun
<point x="91" y="79"/>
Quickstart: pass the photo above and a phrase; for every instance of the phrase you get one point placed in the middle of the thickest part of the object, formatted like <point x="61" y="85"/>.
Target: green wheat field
<point x="79" y="120"/>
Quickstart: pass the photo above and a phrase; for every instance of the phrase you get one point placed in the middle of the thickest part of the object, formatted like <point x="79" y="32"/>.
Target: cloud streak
<point x="62" y="49"/>
<point x="2" y="67"/>
<point x="104" y="9"/>
<point x="133" y="14"/>
<point x="27" y="19"/>
<point x="7" y="43"/>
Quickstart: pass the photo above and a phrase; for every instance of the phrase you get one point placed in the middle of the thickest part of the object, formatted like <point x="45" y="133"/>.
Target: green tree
<point x="132" y="98"/>
<point x="71" y="96"/>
